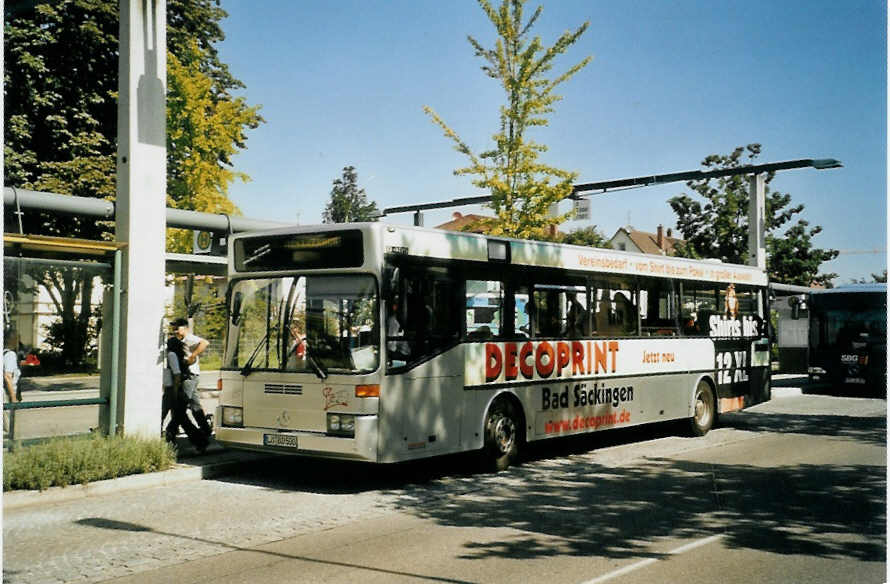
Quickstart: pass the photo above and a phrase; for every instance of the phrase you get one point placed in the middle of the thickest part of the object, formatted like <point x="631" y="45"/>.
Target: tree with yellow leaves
<point x="522" y="188"/>
<point x="203" y="132"/>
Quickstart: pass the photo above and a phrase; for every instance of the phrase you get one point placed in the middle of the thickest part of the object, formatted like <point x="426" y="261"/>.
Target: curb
<point x="181" y="473"/>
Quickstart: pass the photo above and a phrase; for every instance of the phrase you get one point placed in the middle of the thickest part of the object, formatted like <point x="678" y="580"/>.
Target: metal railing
<point x="10" y="442"/>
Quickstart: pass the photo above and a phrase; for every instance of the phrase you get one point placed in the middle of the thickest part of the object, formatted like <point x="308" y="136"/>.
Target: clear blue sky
<point x="344" y="82"/>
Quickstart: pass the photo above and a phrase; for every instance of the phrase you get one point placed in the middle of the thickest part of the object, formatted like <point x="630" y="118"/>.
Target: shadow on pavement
<point x="560" y="504"/>
<point x="840" y="390"/>
<point x="112" y="524"/>
<point x="297" y="473"/>
<point x="872" y="430"/>
<point x="588" y="509"/>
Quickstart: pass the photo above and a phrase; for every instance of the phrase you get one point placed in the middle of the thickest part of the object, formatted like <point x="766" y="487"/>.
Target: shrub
<point x="80" y="460"/>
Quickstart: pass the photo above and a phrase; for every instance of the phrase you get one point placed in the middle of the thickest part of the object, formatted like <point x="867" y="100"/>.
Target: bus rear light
<point x="367" y="390"/>
<point x="219" y="384"/>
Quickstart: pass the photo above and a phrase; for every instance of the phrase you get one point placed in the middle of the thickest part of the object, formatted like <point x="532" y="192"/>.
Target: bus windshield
<point x="317" y="324"/>
<point x="844" y="326"/>
<point x="841" y="319"/>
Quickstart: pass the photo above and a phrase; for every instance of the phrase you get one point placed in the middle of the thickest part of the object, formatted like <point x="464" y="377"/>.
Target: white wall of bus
<point x="432" y="243"/>
<point x="680" y="385"/>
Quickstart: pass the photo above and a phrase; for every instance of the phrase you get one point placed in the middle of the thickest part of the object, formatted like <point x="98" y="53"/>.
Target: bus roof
<point x="450" y="245"/>
<point x="855" y="289"/>
<point x="419" y="241"/>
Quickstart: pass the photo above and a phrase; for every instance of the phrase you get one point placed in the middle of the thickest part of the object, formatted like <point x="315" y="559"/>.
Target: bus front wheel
<point x="503" y="434"/>
<point x="704" y="410"/>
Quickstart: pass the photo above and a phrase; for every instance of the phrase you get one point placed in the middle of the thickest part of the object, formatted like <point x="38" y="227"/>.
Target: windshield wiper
<point x="248" y="367"/>
<point x="316" y="366"/>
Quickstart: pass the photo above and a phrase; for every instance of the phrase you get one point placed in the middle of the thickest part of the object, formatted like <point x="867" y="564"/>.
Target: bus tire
<point x="503" y="435"/>
<point x="767" y="393"/>
<point x="704" y="409"/>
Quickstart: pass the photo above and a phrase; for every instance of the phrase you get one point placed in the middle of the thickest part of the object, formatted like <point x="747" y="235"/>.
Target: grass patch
<point x="60" y="462"/>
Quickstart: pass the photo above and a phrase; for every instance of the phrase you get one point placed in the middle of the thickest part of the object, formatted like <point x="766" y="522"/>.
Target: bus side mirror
<point x="393" y="283"/>
<point x="236" y="307"/>
<point x="796" y="303"/>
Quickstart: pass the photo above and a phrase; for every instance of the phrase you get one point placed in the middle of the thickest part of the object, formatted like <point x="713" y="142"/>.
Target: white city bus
<point x="387" y="343"/>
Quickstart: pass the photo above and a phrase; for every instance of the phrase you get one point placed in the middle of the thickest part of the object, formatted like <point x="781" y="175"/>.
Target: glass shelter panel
<point x="56" y="320"/>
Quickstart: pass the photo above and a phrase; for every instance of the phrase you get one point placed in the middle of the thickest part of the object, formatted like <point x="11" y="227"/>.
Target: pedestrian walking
<point x="11" y="372"/>
<point x="176" y="399"/>
<point x="194" y="346"/>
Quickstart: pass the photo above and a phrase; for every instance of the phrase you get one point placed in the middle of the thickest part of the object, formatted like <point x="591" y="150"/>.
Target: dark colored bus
<point x="848" y="336"/>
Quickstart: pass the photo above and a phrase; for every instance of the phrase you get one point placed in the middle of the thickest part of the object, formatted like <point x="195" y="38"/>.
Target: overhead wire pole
<point x="579" y="190"/>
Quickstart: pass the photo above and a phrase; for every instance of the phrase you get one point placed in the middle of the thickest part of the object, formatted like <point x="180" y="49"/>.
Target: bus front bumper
<point x="361" y="447"/>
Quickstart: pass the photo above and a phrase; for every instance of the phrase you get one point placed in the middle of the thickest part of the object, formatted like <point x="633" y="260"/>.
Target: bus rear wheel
<point x="503" y="435"/>
<point x="704" y="410"/>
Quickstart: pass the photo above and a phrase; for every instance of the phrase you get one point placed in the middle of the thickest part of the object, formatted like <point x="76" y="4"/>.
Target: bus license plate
<point x="286" y="440"/>
<point x="860" y="380"/>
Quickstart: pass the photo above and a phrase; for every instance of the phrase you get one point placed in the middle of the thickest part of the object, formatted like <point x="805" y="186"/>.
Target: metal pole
<point x="757" y="221"/>
<point x="115" y="345"/>
<point x="89" y="207"/>
<point x="12" y="427"/>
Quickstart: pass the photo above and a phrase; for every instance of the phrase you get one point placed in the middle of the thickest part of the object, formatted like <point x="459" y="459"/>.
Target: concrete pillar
<point x="3" y="324"/>
<point x="141" y="212"/>
<point x="757" y="221"/>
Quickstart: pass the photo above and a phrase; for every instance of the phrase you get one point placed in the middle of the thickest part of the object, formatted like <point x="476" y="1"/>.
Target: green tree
<point x="719" y="227"/>
<point x="60" y="118"/>
<point x="60" y="114"/>
<point x="349" y="203"/>
<point x="792" y="259"/>
<point x="875" y="279"/>
<point x="60" y="83"/>
<point x="203" y="132"/>
<point x="198" y="22"/>
<point x="589" y="236"/>
<point x="522" y="188"/>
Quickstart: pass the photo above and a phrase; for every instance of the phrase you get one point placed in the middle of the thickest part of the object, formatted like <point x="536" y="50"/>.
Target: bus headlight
<point x="341" y="425"/>
<point x="232" y="416"/>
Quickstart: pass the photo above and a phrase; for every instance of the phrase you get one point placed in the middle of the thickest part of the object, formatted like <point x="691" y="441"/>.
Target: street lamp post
<point x="756" y="210"/>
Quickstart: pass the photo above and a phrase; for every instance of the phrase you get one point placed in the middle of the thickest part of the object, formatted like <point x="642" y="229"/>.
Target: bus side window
<point x="522" y="313"/>
<point x="427" y="302"/>
<point x="548" y="320"/>
<point x="614" y="309"/>
<point x="658" y="313"/>
<point x="749" y="301"/>
<point x="484" y="309"/>
<point x="698" y="301"/>
<point x="577" y="318"/>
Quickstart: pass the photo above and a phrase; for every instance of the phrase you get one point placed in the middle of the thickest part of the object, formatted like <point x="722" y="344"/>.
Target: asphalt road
<point x="793" y="490"/>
